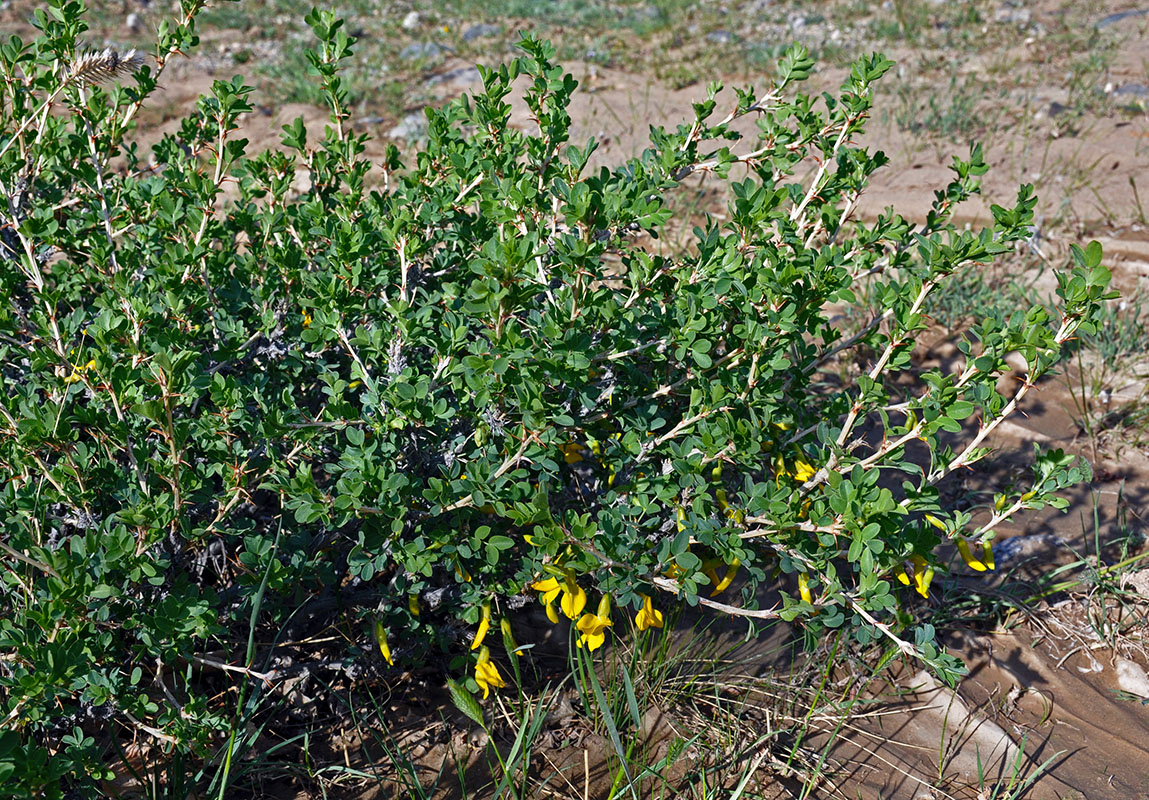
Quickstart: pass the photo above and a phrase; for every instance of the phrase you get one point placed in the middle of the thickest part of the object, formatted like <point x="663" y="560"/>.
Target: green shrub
<point x="237" y="412"/>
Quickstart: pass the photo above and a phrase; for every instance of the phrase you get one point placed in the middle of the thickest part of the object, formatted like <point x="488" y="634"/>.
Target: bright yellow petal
<point x="968" y="557"/>
<point x="572" y="452"/>
<point x="803" y="469"/>
<point x="552" y="614"/>
<point x="574" y="600"/>
<point x="487" y="674"/>
<point x="593" y="641"/>
<point x="384" y="647"/>
<point x="923" y="575"/>
<point x="550" y="587"/>
<point x="592" y="624"/>
<point x="731" y="572"/>
<point x="546" y="584"/>
<point x="804" y="588"/>
<point x="648" y="616"/>
<point x="481" y="634"/>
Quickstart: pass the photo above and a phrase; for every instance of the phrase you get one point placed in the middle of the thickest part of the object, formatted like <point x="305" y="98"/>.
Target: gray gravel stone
<point x="460" y="76"/>
<point x="411" y="128"/>
<point x="480" y="31"/>
<point x="646" y="13"/>
<point x="1013" y="16"/>
<point x="1132" y="90"/>
<point x="1120" y="16"/>
<point x="422" y="50"/>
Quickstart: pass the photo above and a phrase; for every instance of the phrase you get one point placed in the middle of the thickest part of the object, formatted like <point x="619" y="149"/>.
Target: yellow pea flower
<point x="573" y="600"/>
<point x="573" y="597"/>
<point x="903" y="576"/>
<point x="384" y="647"/>
<point x="974" y="563"/>
<point x="593" y="626"/>
<point x="487" y="674"/>
<point x="550" y="589"/>
<point x="728" y="578"/>
<point x="413" y="604"/>
<point x="803" y="469"/>
<point x="937" y="523"/>
<point x="484" y="626"/>
<point x="804" y="588"/>
<point x="648" y="616"/>
<point x="731" y="513"/>
<point x="549" y="586"/>
<point x="572" y="452"/>
<point x="923" y="575"/>
<point x="306" y="319"/>
<point x="78" y="372"/>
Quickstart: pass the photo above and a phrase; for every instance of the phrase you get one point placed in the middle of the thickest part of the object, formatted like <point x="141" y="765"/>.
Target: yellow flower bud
<point x="381" y="639"/>
<point x="728" y="578"/>
<point x="484" y="626"/>
<point x="970" y="559"/>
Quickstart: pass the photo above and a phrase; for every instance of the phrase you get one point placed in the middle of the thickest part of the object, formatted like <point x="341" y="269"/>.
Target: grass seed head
<point x="98" y="66"/>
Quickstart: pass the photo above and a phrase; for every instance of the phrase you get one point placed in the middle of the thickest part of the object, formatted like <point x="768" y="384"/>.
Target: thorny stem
<point x="673" y="588"/>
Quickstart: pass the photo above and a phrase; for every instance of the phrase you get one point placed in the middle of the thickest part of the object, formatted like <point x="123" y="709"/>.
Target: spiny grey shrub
<point x="399" y="402"/>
